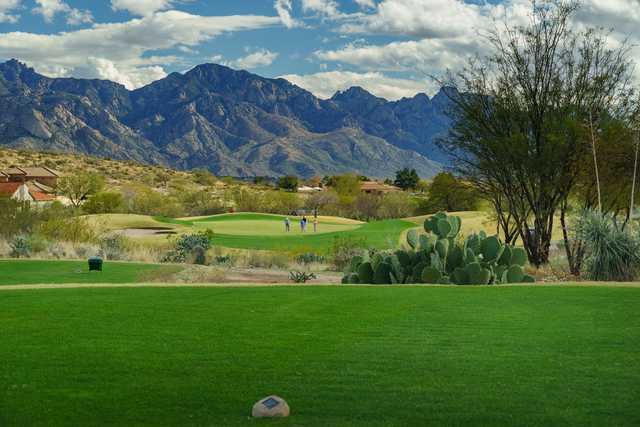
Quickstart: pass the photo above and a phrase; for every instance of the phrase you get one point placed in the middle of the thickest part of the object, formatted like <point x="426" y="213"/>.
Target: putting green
<point x="267" y="225"/>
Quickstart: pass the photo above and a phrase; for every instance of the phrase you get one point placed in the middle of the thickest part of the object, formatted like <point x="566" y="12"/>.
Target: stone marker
<point x="270" y="407"/>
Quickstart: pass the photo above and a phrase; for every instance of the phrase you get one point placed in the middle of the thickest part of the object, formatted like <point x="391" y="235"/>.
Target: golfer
<point x="287" y="224"/>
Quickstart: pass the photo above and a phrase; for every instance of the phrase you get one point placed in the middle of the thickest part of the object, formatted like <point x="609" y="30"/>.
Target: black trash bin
<point x="95" y="263"/>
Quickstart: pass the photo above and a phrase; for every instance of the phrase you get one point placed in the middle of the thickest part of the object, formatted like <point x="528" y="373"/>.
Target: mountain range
<point x="230" y="122"/>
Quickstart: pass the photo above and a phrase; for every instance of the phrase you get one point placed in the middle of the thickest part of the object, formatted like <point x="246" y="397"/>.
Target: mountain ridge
<point x="231" y="122"/>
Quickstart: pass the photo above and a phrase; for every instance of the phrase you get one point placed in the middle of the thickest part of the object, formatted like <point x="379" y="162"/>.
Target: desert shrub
<point x="202" y="202"/>
<point x="280" y="202"/>
<point x="190" y="248"/>
<point x="613" y="253"/>
<point x="345" y="248"/>
<point x="367" y="206"/>
<point x="310" y="258"/>
<point x="264" y="259"/>
<point x="223" y="260"/>
<point x="20" y="247"/>
<point x="104" y="202"/>
<point x="38" y="243"/>
<point x="204" y="177"/>
<point x="247" y="200"/>
<point x="69" y="229"/>
<point x="145" y="201"/>
<point x="301" y="276"/>
<point x="396" y="205"/>
<point x="17" y="217"/>
<point x="113" y="247"/>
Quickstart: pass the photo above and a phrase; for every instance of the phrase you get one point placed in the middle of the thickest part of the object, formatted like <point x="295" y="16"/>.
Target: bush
<point x="190" y="248"/>
<point x="113" y="247"/>
<point x="69" y="229"/>
<point x="105" y="202"/>
<point x="310" y="258"/>
<point x="289" y="183"/>
<point x="20" y="247"/>
<point x="345" y="249"/>
<point x="613" y="254"/>
<point x="301" y="276"/>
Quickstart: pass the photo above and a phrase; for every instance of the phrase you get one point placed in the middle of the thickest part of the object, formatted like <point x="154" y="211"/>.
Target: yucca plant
<point x="613" y="253"/>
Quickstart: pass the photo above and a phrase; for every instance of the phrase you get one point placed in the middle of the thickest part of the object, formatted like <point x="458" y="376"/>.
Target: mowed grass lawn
<point x="29" y="272"/>
<point x="341" y="356"/>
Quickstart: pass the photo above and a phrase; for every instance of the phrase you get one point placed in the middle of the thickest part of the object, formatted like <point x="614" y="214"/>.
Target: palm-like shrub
<point x="613" y="253"/>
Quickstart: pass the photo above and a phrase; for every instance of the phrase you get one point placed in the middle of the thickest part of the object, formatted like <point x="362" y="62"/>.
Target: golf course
<point x="339" y="355"/>
<point x="258" y="231"/>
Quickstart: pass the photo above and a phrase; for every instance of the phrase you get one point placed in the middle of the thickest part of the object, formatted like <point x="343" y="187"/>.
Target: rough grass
<point x="341" y="356"/>
<point x="27" y="272"/>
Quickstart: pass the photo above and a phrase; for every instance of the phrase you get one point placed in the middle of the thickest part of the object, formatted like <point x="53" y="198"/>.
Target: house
<point x="43" y="175"/>
<point x="25" y="192"/>
<point x="374" y="187"/>
<point x="308" y="189"/>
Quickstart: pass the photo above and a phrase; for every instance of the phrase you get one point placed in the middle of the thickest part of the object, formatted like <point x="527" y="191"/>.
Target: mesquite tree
<point x="521" y="114"/>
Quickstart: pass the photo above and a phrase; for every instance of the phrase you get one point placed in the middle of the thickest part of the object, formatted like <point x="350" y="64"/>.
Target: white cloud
<point x="50" y="8"/>
<point x="365" y="3"/>
<point x="6" y="7"/>
<point x="260" y="58"/>
<point x="422" y="18"/>
<point x="327" y="8"/>
<point x="284" y="9"/>
<point x="446" y="32"/>
<point x="326" y="84"/>
<point x="422" y="56"/>
<point x="128" y="46"/>
<point x="141" y="7"/>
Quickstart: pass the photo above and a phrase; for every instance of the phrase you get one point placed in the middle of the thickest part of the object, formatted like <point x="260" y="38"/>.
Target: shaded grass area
<point x="341" y="356"/>
<point x="32" y="272"/>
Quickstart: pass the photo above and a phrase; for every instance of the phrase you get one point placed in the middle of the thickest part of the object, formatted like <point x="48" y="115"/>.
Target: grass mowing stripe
<point x="341" y="356"/>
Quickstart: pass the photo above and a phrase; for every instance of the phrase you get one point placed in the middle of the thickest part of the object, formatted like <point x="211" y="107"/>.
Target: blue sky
<point x="389" y="47"/>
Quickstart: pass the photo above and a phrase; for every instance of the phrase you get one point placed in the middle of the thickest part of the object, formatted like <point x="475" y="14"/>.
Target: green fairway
<point x="261" y="231"/>
<point x="266" y="232"/>
<point x="379" y="234"/>
<point x="341" y="356"/>
<point x="26" y="272"/>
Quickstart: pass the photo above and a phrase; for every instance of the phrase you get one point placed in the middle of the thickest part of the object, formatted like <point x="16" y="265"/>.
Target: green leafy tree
<point x="288" y="183"/>
<point x="521" y="114"/>
<point x="104" y="202"/>
<point x="80" y="186"/>
<point x="450" y="194"/>
<point x="407" y="179"/>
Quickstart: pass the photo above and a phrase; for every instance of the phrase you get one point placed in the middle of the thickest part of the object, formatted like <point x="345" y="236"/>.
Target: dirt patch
<point x="257" y="275"/>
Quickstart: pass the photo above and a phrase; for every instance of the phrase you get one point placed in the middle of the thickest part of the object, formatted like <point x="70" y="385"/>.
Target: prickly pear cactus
<point x="438" y="256"/>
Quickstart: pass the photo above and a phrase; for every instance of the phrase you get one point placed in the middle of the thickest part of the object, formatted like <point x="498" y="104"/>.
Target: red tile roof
<point x="10" y="188"/>
<point x="42" y="197"/>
